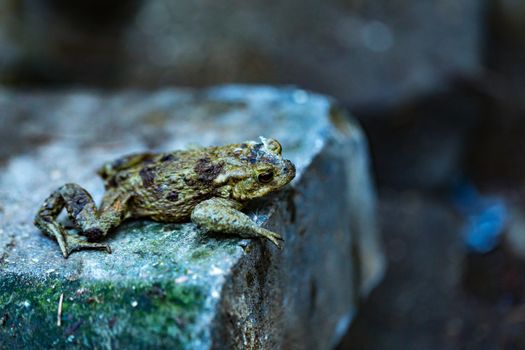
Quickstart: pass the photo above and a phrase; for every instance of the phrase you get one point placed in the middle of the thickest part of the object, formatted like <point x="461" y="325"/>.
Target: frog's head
<point x="260" y="169"/>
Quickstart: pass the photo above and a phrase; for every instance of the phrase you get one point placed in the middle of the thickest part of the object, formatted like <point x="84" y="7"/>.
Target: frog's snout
<point x="289" y="169"/>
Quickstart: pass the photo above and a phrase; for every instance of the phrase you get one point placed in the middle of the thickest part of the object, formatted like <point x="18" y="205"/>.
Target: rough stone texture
<point x="380" y="51"/>
<point x="436" y="295"/>
<point x="515" y="233"/>
<point x="497" y="147"/>
<point x="416" y="305"/>
<point x="425" y="143"/>
<point x="506" y="49"/>
<point x="171" y="285"/>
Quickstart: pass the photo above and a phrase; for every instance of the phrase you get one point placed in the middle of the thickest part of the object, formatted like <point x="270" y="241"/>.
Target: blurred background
<point x="438" y="85"/>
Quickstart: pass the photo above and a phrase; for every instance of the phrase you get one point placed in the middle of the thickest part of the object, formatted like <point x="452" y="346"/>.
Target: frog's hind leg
<point x="83" y="212"/>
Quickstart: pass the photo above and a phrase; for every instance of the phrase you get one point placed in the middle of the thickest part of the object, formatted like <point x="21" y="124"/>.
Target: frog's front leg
<point x="92" y="223"/>
<point x="224" y="216"/>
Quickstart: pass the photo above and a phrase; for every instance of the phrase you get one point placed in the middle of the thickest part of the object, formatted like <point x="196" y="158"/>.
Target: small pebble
<point x="56" y="175"/>
<point x="300" y="97"/>
<point x="181" y="279"/>
<point x="215" y="271"/>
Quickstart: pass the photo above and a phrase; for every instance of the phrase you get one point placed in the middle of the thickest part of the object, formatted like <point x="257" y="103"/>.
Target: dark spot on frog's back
<point x="80" y="199"/>
<point x="172" y="196"/>
<point x="117" y="179"/>
<point x="207" y="170"/>
<point x="168" y="158"/>
<point x="190" y="182"/>
<point x="112" y="182"/>
<point x="252" y="157"/>
<point x="148" y="176"/>
<point x="93" y="234"/>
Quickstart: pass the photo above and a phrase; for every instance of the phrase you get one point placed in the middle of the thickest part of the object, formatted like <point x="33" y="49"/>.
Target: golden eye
<point x="265" y="177"/>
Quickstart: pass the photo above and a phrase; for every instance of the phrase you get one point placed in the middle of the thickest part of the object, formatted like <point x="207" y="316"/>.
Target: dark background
<point x="439" y="87"/>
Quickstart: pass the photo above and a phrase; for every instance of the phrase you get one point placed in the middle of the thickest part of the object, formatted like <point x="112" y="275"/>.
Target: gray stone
<point x="380" y="51"/>
<point x="514" y="234"/>
<point x="420" y="301"/>
<point x="497" y="146"/>
<point x="436" y="295"/>
<point x="171" y="285"/>
<point x="437" y="127"/>
<point x="506" y="48"/>
<point x="361" y="52"/>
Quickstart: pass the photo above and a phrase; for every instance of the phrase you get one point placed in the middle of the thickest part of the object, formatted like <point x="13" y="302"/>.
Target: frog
<point x="209" y="186"/>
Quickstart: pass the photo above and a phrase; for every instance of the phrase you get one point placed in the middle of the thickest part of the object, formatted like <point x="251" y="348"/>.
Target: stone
<point x="171" y="285"/>
<point x="437" y="294"/>
<point x="419" y="303"/>
<point x="496" y="154"/>
<point x="379" y="52"/>
<point x="437" y="127"/>
<point x="362" y="52"/>
<point x="506" y="47"/>
<point x="515" y="234"/>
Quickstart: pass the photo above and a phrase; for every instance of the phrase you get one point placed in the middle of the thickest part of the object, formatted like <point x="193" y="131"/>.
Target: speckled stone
<point x="171" y="285"/>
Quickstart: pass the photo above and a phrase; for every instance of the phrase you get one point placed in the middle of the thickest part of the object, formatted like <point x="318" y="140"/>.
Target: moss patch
<point x="97" y="314"/>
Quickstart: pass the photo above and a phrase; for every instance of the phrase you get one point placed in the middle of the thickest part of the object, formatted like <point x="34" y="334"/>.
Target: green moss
<point x="99" y="315"/>
<point x="201" y="254"/>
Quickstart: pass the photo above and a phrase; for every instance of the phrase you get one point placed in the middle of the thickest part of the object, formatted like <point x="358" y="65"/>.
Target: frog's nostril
<point x="289" y="169"/>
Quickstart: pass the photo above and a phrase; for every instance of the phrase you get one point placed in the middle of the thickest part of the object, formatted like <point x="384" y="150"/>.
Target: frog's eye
<point x="265" y="177"/>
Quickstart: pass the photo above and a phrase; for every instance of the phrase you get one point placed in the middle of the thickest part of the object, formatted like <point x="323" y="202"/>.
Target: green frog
<point x="208" y="185"/>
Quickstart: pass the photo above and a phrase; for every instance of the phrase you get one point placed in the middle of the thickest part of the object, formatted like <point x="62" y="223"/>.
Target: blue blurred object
<point x="485" y="217"/>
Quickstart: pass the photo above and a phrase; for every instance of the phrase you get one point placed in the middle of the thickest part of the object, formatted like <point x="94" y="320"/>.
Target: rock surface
<point x="418" y="304"/>
<point x="362" y="52"/>
<point x="359" y="51"/>
<point x="171" y="285"/>
<point x="437" y="295"/>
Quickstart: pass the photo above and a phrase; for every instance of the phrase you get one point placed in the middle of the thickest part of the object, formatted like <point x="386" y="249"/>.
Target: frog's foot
<point x="75" y="243"/>
<point x="223" y="216"/>
<point x="273" y="237"/>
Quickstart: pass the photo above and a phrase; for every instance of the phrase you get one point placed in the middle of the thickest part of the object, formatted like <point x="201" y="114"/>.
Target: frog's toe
<point x="278" y="236"/>
<point x="273" y="237"/>
<point x="76" y="244"/>
<point x="275" y="241"/>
